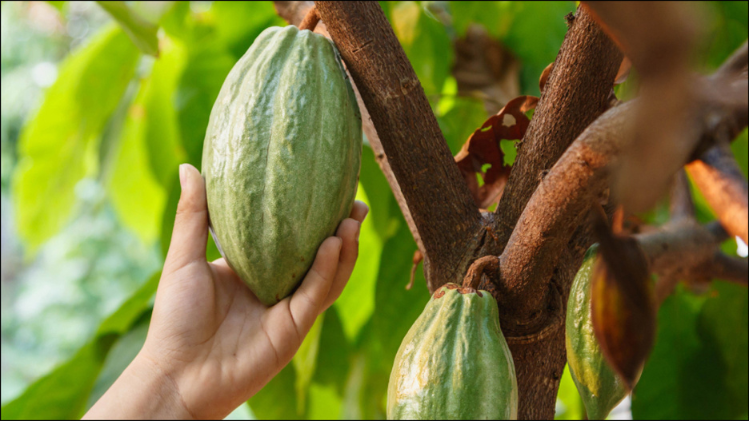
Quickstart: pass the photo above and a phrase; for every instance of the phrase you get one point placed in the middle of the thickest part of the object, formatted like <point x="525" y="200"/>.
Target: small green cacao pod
<point x="454" y="362"/>
<point x="281" y="158"/>
<point x="599" y="386"/>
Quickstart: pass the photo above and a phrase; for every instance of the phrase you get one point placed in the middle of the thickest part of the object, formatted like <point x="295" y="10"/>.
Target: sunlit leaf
<point x="119" y="357"/>
<point x="305" y="361"/>
<point x="121" y="320"/>
<point x="356" y="303"/>
<point x="571" y="405"/>
<point x="334" y="356"/>
<point x="425" y="41"/>
<point x="140" y="31"/>
<point x="277" y="400"/>
<point x="58" y="147"/>
<point x="63" y="393"/>
<point x="241" y="22"/>
<point x="149" y="150"/>
<point x="204" y="74"/>
<point x="325" y="403"/>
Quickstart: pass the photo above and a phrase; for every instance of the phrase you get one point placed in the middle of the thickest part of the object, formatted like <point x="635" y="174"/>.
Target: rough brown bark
<point x="439" y="201"/>
<point x="576" y="93"/>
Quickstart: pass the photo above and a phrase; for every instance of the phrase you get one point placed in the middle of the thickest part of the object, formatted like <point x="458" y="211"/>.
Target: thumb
<point x="190" y="233"/>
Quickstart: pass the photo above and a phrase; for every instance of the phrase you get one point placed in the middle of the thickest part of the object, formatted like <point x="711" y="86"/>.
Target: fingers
<point x="348" y="232"/>
<point x="308" y="301"/>
<point x="359" y="211"/>
<point x="190" y="233"/>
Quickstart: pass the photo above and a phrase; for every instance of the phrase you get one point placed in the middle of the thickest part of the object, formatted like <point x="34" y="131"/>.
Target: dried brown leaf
<point x="482" y="148"/>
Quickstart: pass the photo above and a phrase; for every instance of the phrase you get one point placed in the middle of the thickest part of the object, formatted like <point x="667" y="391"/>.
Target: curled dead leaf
<point x="482" y="148"/>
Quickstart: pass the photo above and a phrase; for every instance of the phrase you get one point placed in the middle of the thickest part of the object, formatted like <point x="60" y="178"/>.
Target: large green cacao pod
<point x="599" y="386"/>
<point x="281" y="158"/>
<point x="454" y="362"/>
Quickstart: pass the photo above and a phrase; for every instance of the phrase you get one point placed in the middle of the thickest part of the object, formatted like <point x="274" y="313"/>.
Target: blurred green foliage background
<point x="94" y="127"/>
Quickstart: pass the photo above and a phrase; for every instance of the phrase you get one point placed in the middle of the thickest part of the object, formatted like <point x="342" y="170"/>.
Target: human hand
<point x="212" y="344"/>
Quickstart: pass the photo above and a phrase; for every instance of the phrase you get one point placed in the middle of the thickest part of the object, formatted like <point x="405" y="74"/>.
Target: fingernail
<point x="183" y="176"/>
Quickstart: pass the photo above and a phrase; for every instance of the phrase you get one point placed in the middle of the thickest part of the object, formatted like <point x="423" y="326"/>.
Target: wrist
<point x="144" y="390"/>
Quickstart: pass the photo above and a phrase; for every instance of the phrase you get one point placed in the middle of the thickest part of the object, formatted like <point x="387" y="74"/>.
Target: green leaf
<point x="140" y="31"/>
<point x="397" y="307"/>
<point x="378" y="193"/>
<point x="426" y="43"/>
<point x="121" y="320"/>
<point x="239" y="23"/>
<point x="150" y="149"/>
<point x="277" y="400"/>
<point x="119" y="357"/>
<point x="305" y="362"/>
<point x="571" y="405"/>
<point x="356" y="303"/>
<point x="461" y="119"/>
<point x="334" y="356"/>
<point x="58" y="147"/>
<point x="534" y="31"/>
<point x="207" y="67"/>
<point x="698" y="368"/>
<point x="325" y="403"/>
<point x="63" y="393"/>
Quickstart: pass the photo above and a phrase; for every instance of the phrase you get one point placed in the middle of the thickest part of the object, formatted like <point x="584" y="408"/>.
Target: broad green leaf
<point x="277" y="400"/>
<point x="63" y="393"/>
<point x="58" y="147"/>
<point x="325" y="403"/>
<point x="334" y="356"/>
<point x="569" y="404"/>
<point x="239" y="22"/>
<point x="204" y="74"/>
<point x="149" y="150"/>
<point x="305" y="362"/>
<point x="698" y="367"/>
<point x="425" y="41"/>
<point x="121" y="320"/>
<point x="461" y="120"/>
<point x="378" y="193"/>
<point x="119" y="357"/>
<point x="397" y="307"/>
<point x="356" y="303"/>
<point x="140" y="31"/>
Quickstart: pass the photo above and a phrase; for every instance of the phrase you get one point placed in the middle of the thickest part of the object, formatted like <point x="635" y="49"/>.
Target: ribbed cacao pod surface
<point x="281" y="158"/>
<point x="454" y="363"/>
<point x="599" y="386"/>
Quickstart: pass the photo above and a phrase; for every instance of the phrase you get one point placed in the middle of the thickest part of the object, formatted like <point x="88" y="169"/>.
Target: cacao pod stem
<point x="310" y="20"/>
<point x="487" y="265"/>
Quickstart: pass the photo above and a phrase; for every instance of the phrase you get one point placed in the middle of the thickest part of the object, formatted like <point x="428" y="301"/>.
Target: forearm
<point x="143" y="391"/>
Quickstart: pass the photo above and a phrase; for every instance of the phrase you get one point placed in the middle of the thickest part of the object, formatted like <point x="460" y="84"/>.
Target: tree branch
<point x="721" y="181"/>
<point x="576" y="93"/>
<point x="294" y="12"/>
<point x="440" y="203"/>
<point x="581" y="177"/>
<point x="658" y="38"/>
<point x="682" y="205"/>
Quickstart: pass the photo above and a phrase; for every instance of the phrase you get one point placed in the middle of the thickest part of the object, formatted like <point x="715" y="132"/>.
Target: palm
<point x="210" y="333"/>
